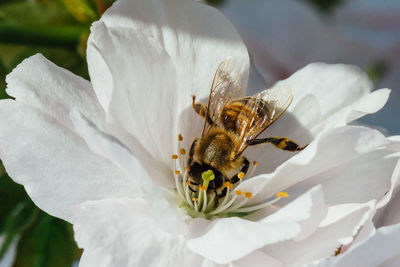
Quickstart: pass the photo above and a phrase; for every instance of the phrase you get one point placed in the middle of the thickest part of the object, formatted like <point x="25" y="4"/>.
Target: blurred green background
<point x="59" y="30"/>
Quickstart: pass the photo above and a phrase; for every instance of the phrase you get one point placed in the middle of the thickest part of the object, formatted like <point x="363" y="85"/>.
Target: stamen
<point x="248" y="194"/>
<point x="228" y="185"/>
<point x="174" y="156"/>
<point x="282" y="195"/>
<point x="182" y="151"/>
<point x="252" y="169"/>
<point x="240" y="175"/>
<point x="180" y="137"/>
<point x="224" y="206"/>
<point x="203" y="209"/>
<point x="177" y="172"/>
<point x="238" y="192"/>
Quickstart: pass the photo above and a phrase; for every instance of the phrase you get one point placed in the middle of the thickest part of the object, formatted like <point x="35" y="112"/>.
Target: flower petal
<point x="40" y="83"/>
<point x="382" y="249"/>
<point x="325" y="96"/>
<point x="121" y="232"/>
<point x="257" y="259"/>
<point x="230" y="239"/>
<point x="333" y="149"/>
<point x="326" y="239"/>
<point x="150" y="58"/>
<point x="109" y="148"/>
<point x="54" y="164"/>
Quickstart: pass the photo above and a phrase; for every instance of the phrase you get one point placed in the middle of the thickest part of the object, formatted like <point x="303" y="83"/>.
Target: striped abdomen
<point x="242" y="114"/>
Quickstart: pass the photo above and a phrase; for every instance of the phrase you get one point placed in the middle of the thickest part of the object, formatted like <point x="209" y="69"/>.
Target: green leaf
<point x="16" y="33"/>
<point x="11" y="194"/>
<point x="39" y="13"/>
<point x="47" y="243"/>
<point x="21" y="217"/>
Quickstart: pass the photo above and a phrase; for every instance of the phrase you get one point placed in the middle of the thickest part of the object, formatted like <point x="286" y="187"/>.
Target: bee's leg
<point x="216" y="195"/>
<point x="191" y="152"/>
<point x="243" y="171"/>
<point x="202" y="110"/>
<point x="280" y="142"/>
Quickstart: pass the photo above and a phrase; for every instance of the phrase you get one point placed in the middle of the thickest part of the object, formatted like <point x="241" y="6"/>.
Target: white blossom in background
<point x="98" y="154"/>
<point x="283" y="36"/>
<point x="377" y="24"/>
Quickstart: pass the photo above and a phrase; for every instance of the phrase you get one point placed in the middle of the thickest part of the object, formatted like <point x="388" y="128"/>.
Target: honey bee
<point x="233" y="123"/>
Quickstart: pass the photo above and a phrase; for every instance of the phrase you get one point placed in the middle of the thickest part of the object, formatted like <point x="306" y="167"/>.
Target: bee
<point x="233" y="123"/>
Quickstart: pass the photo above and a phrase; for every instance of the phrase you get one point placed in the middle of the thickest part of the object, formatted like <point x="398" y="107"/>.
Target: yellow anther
<point x="195" y="199"/>
<point x="240" y="175"/>
<point x="182" y="151"/>
<point x="177" y="172"/>
<point x="238" y="192"/>
<point x="203" y="188"/>
<point x="255" y="163"/>
<point x="228" y="185"/>
<point x="174" y="156"/>
<point x="187" y="183"/>
<point x="248" y="194"/>
<point x="187" y="168"/>
<point x="180" y="137"/>
<point x="282" y="194"/>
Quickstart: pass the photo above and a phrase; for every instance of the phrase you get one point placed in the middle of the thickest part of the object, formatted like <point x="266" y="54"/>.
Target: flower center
<point x="199" y="201"/>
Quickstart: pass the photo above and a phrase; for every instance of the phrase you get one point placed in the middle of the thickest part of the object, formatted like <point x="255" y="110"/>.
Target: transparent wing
<point x="225" y="87"/>
<point x="260" y="111"/>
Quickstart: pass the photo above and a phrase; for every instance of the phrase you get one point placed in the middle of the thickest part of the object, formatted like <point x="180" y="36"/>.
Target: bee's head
<point x="196" y="171"/>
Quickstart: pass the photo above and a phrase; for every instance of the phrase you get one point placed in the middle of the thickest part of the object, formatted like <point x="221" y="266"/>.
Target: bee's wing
<point x="261" y="111"/>
<point x="224" y="88"/>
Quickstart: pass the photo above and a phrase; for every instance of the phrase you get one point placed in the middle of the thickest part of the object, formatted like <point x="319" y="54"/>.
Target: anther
<point x="195" y="199"/>
<point x="203" y="187"/>
<point x="255" y="163"/>
<point x="248" y="194"/>
<point x="238" y="192"/>
<point x="282" y="194"/>
<point x="174" y="156"/>
<point x="180" y="137"/>
<point x="187" y="183"/>
<point x="187" y="168"/>
<point x="182" y="151"/>
<point x="228" y="185"/>
<point x="177" y="172"/>
<point x="240" y="175"/>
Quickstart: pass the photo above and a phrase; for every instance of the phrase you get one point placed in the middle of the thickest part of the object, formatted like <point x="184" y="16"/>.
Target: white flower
<point x="99" y="154"/>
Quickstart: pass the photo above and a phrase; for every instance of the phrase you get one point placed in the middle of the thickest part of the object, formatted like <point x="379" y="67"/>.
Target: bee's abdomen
<point x="239" y="112"/>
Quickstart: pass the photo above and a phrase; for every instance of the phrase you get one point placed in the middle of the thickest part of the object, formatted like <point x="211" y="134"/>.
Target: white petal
<point x="257" y="259"/>
<point x="230" y="239"/>
<point x="149" y="58"/>
<point x="331" y="150"/>
<point x="109" y="148"/>
<point x="143" y="100"/>
<point x="40" y="83"/>
<point x="382" y="249"/>
<point x="326" y="239"/>
<point x="121" y="232"/>
<point x="54" y="164"/>
<point x="324" y="96"/>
